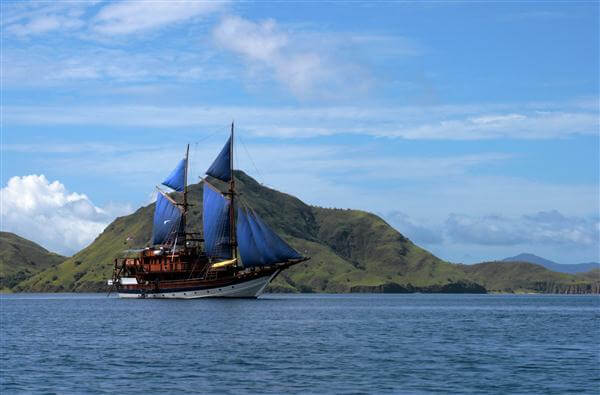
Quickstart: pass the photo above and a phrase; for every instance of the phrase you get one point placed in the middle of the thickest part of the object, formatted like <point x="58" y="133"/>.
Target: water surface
<point x="373" y="343"/>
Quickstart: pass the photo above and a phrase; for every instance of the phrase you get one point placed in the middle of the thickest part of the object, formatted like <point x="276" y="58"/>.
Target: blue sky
<point x="472" y="127"/>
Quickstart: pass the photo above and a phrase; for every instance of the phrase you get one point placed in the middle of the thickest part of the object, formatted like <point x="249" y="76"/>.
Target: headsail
<point x="258" y="244"/>
<point x="167" y="220"/>
<point x="221" y="167"/>
<point x="176" y="179"/>
<point x="282" y="250"/>
<point x="250" y="253"/>
<point x="216" y="223"/>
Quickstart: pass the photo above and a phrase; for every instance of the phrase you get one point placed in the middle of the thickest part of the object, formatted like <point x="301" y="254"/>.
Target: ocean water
<point x="88" y="343"/>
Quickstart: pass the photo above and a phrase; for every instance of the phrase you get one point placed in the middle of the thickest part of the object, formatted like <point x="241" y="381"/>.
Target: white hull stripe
<point x="248" y="289"/>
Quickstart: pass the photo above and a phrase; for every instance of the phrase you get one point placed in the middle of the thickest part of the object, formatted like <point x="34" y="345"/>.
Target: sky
<point x="472" y="127"/>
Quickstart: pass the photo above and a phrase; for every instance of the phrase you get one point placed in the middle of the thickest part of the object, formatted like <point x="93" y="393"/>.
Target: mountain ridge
<point x="21" y="259"/>
<point x="351" y="250"/>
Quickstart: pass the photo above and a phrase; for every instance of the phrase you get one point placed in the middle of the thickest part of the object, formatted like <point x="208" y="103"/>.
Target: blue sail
<point x="216" y="223"/>
<point x="167" y="220"/>
<point x="258" y="244"/>
<point x="221" y="167"/>
<point x="268" y="254"/>
<point x="176" y="179"/>
<point x="249" y="251"/>
<point x="282" y="250"/>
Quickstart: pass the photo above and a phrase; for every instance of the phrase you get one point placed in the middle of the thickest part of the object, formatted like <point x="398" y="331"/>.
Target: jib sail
<point x="258" y="244"/>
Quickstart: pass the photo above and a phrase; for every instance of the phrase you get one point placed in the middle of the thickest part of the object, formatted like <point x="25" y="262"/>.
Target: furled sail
<point x="216" y="223"/>
<point x="258" y="244"/>
<point x="167" y="220"/>
<point x="221" y="167"/>
<point x="176" y="179"/>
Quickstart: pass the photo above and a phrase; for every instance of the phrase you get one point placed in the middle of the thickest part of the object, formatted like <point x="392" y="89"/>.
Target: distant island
<point x="556" y="267"/>
<point x="351" y="250"/>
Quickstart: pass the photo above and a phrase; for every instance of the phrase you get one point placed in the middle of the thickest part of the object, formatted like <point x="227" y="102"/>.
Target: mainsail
<point x="221" y="167"/>
<point x="258" y="244"/>
<point x="216" y="223"/>
<point x="167" y="220"/>
<point x="176" y="179"/>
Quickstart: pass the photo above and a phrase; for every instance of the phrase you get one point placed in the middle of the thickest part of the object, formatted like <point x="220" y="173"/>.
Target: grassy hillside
<point x="351" y="250"/>
<point x="21" y="259"/>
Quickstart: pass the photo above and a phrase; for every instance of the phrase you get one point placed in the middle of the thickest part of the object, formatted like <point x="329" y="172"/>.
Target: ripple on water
<point x="69" y="343"/>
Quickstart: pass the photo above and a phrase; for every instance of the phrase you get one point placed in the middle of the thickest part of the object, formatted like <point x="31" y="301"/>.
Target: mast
<point x="185" y="202"/>
<point x="232" y="194"/>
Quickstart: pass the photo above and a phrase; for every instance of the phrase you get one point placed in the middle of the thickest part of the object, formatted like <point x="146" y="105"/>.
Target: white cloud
<point x="43" y="67"/>
<point x="468" y="122"/>
<point x="475" y="238"/>
<point x="261" y="41"/>
<point x="531" y="125"/>
<point x="544" y="227"/>
<point x="134" y="16"/>
<point x="47" y="213"/>
<point x="113" y="18"/>
<point x="305" y="72"/>
<point x="336" y="174"/>
<point x="45" y="24"/>
<point x="417" y="230"/>
<point x="32" y="18"/>
<point x="364" y="163"/>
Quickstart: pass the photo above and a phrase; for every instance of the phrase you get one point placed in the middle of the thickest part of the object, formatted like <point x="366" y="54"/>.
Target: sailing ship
<point x="237" y="254"/>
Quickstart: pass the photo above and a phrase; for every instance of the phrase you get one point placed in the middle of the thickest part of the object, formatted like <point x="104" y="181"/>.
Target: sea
<point x="302" y="343"/>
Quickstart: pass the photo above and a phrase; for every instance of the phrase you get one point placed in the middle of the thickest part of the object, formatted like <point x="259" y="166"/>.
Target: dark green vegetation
<point x="21" y="259"/>
<point x="351" y="250"/>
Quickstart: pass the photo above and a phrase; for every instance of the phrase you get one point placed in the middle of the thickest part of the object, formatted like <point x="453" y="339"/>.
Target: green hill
<point x="21" y="259"/>
<point x="351" y="250"/>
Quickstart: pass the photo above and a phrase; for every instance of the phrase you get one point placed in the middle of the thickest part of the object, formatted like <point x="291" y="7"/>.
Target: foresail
<point x="216" y="223"/>
<point x="221" y="167"/>
<point x="176" y="179"/>
<point x="258" y="244"/>
<point x="167" y="220"/>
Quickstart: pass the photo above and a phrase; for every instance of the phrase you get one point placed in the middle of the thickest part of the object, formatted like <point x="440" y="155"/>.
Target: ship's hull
<point x="252" y="288"/>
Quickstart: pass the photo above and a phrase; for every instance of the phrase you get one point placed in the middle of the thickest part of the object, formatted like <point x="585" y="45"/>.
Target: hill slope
<point x="21" y="259"/>
<point x="351" y="250"/>
<point x="550" y="265"/>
